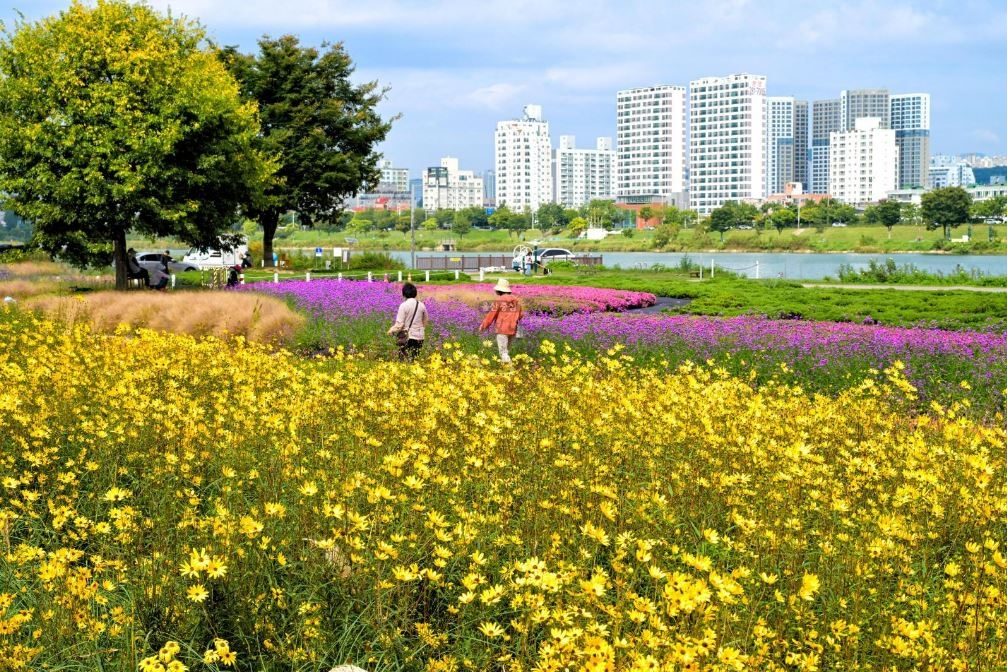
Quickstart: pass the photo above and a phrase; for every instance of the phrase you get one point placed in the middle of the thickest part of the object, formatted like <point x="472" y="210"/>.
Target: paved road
<point x="663" y="302"/>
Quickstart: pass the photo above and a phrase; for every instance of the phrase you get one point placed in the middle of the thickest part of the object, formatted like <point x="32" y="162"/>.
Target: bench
<point x="695" y="274"/>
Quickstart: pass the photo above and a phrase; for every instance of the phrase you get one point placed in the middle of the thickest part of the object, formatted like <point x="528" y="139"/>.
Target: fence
<point x="475" y="262"/>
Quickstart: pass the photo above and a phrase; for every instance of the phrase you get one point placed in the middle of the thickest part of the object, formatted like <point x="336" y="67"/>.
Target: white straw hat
<point x="503" y="285"/>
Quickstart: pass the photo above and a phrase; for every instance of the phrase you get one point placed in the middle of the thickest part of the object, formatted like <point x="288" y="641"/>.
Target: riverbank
<point x="866" y="239"/>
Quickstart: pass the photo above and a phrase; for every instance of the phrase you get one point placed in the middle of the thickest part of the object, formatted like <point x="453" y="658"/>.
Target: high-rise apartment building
<point x="831" y="116"/>
<point x="862" y="103"/>
<point x="863" y="163"/>
<point x="651" y="141"/>
<point x="583" y="175"/>
<point x="801" y="156"/>
<point x="781" y="143"/>
<point x="825" y="120"/>
<point x="727" y="140"/>
<point x="523" y="158"/>
<point x="490" y="187"/>
<point x="393" y="179"/>
<point x="446" y="187"/>
<point x="910" y="118"/>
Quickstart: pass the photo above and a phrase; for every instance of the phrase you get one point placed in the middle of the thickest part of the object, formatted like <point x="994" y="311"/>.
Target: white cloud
<point x="867" y="22"/>
<point x="494" y="97"/>
<point x="611" y="77"/>
<point x="987" y="136"/>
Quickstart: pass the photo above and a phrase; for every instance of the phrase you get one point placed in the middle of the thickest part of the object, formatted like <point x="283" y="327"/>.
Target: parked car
<point x="554" y="254"/>
<point x="542" y="257"/>
<point x="215" y="258"/>
<point x="150" y="260"/>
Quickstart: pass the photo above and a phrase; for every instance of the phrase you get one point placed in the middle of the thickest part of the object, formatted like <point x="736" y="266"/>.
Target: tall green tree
<point x="889" y="213"/>
<point x="552" y="217"/>
<point x="782" y="218"/>
<point x="724" y="217"/>
<point x="502" y="218"/>
<point x="911" y="214"/>
<point x="461" y="223"/>
<point x="945" y="208"/>
<point x="114" y="118"/>
<point x="601" y="214"/>
<point x="322" y="128"/>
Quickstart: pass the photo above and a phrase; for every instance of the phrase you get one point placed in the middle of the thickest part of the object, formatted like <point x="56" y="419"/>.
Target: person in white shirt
<point x="411" y="319"/>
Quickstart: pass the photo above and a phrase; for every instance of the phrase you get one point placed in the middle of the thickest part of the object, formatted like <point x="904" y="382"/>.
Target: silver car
<point x="153" y="260"/>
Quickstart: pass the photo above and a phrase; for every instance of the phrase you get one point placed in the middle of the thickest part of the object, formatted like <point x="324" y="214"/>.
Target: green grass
<point x="860" y="238"/>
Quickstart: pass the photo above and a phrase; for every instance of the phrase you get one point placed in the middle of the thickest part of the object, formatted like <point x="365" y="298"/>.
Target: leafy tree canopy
<point x="321" y="127"/>
<point x="113" y="117"/>
<point x="946" y="208"/>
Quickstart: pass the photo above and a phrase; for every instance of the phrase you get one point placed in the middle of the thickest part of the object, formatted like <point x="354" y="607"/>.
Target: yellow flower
<point x="491" y="630"/>
<point x="275" y="509"/>
<point x="249" y="527"/>
<point x="216" y="568"/>
<point x="197" y="593"/>
<point x="809" y="586"/>
<point x="187" y="570"/>
<point x="168" y="651"/>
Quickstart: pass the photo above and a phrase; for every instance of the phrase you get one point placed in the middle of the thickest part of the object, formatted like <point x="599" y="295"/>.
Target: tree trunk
<point x="119" y="255"/>
<point x="268" y="220"/>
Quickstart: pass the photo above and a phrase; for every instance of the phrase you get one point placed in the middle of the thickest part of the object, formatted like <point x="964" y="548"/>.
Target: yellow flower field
<point x="174" y="503"/>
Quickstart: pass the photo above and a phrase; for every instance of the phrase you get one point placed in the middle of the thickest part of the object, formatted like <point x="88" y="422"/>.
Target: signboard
<point x="318" y="252"/>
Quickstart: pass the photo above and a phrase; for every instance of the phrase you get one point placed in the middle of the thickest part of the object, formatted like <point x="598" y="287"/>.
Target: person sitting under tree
<point x="134" y="271"/>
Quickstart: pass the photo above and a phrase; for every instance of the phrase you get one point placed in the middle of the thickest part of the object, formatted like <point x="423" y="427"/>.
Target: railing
<point x="468" y="262"/>
<point x="475" y="262"/>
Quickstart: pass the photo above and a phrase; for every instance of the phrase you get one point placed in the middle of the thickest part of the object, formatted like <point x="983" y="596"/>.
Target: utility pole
<point x="412" y="226"/>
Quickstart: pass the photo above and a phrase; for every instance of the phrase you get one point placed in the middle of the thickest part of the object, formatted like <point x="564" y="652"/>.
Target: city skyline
<point x="457" y="69"/>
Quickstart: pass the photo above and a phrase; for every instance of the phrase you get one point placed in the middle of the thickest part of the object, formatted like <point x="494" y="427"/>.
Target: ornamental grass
<point x="172" y="502"/>
<point x="202" y="313"/>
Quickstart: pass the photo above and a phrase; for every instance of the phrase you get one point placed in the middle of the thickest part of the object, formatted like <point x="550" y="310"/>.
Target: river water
<point x="790" y="265"/>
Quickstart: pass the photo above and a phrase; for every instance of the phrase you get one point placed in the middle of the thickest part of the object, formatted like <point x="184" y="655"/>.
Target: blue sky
<point x="456" y="67"/>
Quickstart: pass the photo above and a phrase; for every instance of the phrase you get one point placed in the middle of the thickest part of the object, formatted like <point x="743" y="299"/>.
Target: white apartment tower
<point x="445" y="187"/>
<point x="582" y="175"/>
<point x="393" y="179"/>
<point x="651" y="140"/>
<point x="910" y="118"/>
<point x="523" y="158"/>
<point x="781" y="143"/>
<point x="801" y="152"/>
<point x="727" y="140"/>
<point x="863" y="163"/>
<point x="833" y="116"/>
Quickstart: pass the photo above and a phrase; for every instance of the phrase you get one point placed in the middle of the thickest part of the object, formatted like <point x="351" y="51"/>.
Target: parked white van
<point x="215" y="258"/>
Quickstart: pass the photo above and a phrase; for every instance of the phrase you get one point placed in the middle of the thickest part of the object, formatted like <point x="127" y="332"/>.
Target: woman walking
<point x="506" y="313"/>
<point x="410" y="326"/>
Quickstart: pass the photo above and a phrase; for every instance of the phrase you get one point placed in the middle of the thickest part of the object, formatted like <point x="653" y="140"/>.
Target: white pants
<point x="503" y="347"/>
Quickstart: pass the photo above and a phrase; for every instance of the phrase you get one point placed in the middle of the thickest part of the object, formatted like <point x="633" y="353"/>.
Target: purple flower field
<point x="820" y="355"/>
